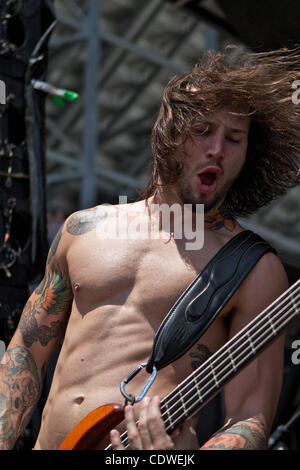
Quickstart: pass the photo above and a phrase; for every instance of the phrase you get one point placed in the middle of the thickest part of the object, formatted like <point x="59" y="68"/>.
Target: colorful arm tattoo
<point x="53" y="297"/>
<point x="20" y="376"/>
<point x="20" y="388"/>
<point x="249" y="434"/>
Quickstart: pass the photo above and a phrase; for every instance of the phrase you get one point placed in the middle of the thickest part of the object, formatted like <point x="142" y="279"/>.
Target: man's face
<point x="213" y="160"/>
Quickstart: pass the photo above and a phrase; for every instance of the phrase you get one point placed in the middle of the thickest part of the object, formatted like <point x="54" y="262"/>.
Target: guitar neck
<point x="208" y="379"/>
<point x="199" y="387"/>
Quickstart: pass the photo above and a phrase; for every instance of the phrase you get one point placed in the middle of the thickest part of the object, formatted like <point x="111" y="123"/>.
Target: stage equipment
<point x="25" y="27"/>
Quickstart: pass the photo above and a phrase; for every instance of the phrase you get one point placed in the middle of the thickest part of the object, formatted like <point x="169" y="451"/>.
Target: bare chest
<point x="132" y="272"/>
<point x="146" y="277"/>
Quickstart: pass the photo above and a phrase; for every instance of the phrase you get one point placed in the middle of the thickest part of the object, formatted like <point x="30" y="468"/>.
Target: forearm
<point x="249" y="434"/>
<point x="20" y="388"/>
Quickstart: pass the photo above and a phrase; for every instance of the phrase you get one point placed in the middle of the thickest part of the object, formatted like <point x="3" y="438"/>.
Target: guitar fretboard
<point x="200" y="386"/>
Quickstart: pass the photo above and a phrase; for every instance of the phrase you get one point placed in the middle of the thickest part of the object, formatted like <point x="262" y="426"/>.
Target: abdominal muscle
<point x="92" y="363"/>
<point x="91" y="367"/>
<point x="116" y="312"/>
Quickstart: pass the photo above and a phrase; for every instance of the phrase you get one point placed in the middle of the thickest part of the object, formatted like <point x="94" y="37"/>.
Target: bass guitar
<point x="92" y="432"/>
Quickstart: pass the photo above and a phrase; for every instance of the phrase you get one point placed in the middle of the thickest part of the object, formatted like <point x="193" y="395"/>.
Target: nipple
<point x="76" y="286"/>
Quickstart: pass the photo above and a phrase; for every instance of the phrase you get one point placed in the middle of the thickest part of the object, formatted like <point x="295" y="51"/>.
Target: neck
<point x="217" y="218"/>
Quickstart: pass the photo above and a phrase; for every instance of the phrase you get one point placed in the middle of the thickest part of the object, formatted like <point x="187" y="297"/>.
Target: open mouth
<point x="207" y="179"/>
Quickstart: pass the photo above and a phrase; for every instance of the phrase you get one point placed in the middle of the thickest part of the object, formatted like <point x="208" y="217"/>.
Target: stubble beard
<point x="185" y="193"/>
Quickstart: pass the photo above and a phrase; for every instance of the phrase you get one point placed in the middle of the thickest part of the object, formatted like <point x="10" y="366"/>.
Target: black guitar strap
<point x="205" y="297"/>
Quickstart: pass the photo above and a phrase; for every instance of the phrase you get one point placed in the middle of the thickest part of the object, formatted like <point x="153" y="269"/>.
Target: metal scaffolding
<point x="123" y="66"/>
<point x="118" y="55"/>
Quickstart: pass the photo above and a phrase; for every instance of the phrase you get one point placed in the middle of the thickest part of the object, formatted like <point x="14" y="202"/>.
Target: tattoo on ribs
<point x="20" y="387"/>
<point x="84" y="221"/>
<point x="53" y="297"/>
<point x="202" y="354"/>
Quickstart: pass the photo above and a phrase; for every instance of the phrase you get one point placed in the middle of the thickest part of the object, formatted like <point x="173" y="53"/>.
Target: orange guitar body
<point x="92" y="432"/>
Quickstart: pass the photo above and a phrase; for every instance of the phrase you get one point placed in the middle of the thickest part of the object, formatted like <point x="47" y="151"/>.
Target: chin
<point x="189" y="195"/>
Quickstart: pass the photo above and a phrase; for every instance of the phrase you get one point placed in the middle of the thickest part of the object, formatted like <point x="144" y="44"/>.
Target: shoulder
<point x="268" y="274"/>
<point x="88" y="220"/>
<point x="85" y="221"/>
<point x="78" y="223"/>
<point x="264" y="284"/>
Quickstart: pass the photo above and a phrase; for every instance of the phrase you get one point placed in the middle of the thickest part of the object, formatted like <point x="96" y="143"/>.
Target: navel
<point x="78" y="400"/>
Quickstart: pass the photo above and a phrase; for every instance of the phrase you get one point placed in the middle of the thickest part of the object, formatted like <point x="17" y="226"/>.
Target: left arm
<point x="251" y="397"/>
<point x="247" y="434"/>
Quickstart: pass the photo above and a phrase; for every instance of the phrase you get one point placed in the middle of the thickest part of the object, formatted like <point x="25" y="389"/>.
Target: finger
<point x="115" y="440"/>
<point x="143" y="425"/>
<point x="132" y="430"/>
<point x="158" y="434"/>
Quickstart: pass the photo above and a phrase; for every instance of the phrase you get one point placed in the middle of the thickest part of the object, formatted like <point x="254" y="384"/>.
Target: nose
<point x="215" y="147"/>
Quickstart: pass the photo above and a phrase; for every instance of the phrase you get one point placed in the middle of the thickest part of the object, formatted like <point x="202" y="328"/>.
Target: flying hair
<point x="258" y="85"/>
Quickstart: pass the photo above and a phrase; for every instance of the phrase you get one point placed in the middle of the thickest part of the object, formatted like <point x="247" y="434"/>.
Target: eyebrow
<point x="230" y="129"/>
<point x="234" y="129"/>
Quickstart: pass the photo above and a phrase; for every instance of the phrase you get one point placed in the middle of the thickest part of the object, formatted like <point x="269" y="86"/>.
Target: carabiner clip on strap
<point x="130" y="398"/>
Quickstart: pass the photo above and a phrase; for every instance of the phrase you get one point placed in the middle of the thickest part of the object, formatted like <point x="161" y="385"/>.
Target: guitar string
<point x="254" y="326"/>
<point x="194" y="397"/>
<point x="173" y="394"/>
<point x="215" y="376"/>
<point x="124" y="438"/>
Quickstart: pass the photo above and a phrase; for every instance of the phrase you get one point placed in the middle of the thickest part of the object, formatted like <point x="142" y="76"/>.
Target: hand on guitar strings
<point x="149" y="433"/>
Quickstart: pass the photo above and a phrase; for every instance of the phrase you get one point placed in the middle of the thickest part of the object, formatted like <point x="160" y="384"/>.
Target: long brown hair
<point x="255" y="84"/>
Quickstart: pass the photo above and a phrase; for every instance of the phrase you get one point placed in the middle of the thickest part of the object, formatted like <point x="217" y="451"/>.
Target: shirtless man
<point x="103" y="298"/>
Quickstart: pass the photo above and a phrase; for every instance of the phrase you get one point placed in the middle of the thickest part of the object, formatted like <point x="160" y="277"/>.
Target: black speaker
<point x="25" y="27"/>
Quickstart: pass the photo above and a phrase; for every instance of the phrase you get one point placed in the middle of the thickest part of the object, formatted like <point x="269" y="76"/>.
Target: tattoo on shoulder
<point x="84" y="221"/>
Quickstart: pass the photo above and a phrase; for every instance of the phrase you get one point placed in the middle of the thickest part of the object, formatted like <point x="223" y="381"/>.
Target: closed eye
<point x="201" y="132"/>
<point x="233" y="140"/>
